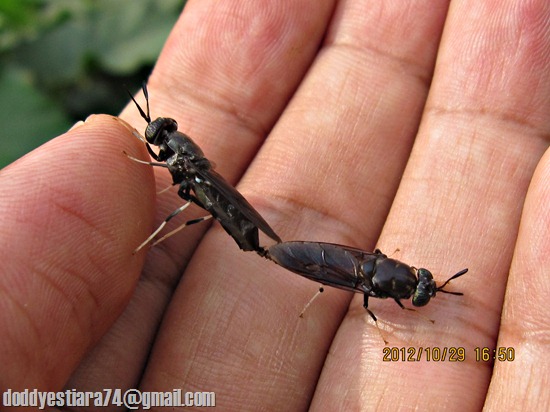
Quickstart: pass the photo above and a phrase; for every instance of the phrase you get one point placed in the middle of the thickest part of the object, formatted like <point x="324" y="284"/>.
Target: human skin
<point x="420" y="128"/>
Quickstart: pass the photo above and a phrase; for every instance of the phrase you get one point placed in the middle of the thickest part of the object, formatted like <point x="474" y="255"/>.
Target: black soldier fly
<point x="373" y="274"/>
<point x="193" y="172"/>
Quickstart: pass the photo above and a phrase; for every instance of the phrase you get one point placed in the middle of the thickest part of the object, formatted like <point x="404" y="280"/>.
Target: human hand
<point x="342" y="113"/>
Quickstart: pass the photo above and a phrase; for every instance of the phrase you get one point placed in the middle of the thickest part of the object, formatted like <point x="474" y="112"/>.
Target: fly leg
<point x="170" y="216"/>
<point x="412" y="310"/>
<point x="151" y="164"/>
<point x="184" y="192"/>
<point x="176" y="230"/>
<point x="144" y="162"/>
<point x="174" y="213"/>
<point x="366" y="306"/>
<point x="321" y="290"/>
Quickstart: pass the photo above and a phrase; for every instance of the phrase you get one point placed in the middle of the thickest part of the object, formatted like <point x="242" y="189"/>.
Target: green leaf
<point x="140" y="29"/>
<point x="28" y="118"/>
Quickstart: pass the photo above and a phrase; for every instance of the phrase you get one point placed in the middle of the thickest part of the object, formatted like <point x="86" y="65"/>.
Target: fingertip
<point x="534" y="231"/>
<point x="525" y="300"/>
<point x="524" y="322"/>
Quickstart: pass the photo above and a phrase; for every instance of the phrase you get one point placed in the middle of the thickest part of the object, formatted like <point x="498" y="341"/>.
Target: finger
<point x="519" y="367"/>
<point x="458" y="206"/>
<point x="69" y="221"/>
<point x="225" y="87"/>
<point x="234" y="318"/>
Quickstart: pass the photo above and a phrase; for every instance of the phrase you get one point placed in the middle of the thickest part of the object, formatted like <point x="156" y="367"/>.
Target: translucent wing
<point x="233" y="197"/>
<point x="326" y="263"/>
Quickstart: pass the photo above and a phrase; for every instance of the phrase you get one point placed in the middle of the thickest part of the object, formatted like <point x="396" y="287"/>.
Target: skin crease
<point x="338" y="125"/>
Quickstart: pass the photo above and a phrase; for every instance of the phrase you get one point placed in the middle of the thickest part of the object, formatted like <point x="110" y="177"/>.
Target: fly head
<point x="427" y="287"/>
<point x="159" y="130"/>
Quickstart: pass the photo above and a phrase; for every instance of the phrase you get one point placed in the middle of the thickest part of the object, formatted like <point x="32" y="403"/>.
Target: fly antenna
<point x="146" y="94"/>
<point x="440" y="288"/>
<point x="144" y="115"/>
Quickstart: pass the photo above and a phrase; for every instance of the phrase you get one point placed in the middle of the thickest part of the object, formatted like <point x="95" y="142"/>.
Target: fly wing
<point x="326" y="263"/>
<point x="233" y="196"/>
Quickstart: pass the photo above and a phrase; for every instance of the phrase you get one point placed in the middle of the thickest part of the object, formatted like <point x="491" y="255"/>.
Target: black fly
<point x="193" y="172"/>
<point x="373" y="274"/>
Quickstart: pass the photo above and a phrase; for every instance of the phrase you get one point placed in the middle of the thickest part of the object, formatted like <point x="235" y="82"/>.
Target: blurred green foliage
<point x="61" y="60"/>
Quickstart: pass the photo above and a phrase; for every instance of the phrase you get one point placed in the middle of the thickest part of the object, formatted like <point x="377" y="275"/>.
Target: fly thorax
<point x="394" y="279"/>
<point x="185" y="146"/>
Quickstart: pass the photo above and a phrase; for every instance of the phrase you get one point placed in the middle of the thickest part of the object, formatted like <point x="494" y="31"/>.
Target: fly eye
<point x="153" y="133"/>
<point x="425" y="289"/>
<point x="421" y="297"/>
<point x="171" y="125"/>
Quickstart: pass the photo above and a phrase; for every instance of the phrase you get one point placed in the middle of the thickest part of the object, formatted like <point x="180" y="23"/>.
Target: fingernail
<point x="76" y="125"/>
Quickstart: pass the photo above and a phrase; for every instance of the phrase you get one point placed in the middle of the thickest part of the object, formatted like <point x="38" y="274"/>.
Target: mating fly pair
<point x="189" y="168"/>
<point x="373" y="274"/>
